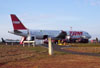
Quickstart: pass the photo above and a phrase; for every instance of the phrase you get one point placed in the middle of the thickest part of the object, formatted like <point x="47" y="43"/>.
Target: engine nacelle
<point x="30" y="38"/>
<point x="45" y="36"/>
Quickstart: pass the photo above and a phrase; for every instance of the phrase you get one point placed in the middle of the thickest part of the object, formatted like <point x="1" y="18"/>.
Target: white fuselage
<point x="39" y="34"/>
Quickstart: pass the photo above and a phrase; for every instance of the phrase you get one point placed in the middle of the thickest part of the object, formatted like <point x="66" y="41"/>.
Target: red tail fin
<point x="17" y="25"/>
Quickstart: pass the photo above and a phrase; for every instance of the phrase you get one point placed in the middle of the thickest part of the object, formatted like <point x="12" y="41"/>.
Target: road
<point x="61" y="48"/>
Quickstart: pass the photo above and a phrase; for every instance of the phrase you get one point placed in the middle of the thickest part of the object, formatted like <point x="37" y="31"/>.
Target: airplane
<point x="27" y="34"/>
<point x="9" y="40"/>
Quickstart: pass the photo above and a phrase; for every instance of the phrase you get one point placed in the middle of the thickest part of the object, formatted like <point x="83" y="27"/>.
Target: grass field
<point x="88" y="47"/>
<point x="17" y="56"/>
<point x="84" y="44"/>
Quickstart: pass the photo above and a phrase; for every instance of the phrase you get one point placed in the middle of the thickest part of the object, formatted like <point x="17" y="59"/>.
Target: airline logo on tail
<point x="17" y="25"/>
<point x="16" y="22"/>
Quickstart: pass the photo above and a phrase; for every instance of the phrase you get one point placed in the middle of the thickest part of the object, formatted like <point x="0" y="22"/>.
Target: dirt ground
<point x="29" y="57"/>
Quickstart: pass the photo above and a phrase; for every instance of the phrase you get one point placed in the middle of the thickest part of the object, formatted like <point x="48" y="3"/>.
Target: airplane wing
<point x="62" y="35"/>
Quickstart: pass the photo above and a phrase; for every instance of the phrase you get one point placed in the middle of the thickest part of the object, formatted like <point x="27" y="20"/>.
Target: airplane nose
<point x="87" y="37"/>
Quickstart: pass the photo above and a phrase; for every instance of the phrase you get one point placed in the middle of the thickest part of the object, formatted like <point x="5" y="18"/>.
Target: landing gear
<point x="84" y="41"/>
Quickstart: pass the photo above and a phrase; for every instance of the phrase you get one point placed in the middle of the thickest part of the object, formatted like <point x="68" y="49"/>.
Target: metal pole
<point x="33" y="43"/>
<point x="23" y="44"/>
<point x="50" y="48"/>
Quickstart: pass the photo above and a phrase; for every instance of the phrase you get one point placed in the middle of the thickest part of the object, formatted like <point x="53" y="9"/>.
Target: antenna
<point x="70" y="28"/>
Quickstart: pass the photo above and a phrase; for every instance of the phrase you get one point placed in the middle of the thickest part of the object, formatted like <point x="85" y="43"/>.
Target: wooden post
<point x="50" y="48"/>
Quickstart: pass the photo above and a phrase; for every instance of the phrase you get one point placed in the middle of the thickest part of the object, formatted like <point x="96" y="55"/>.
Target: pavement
<point x="61" y="48"/>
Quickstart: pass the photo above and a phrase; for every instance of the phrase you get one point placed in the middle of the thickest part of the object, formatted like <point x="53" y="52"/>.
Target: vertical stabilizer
<point x="17" y="25"/>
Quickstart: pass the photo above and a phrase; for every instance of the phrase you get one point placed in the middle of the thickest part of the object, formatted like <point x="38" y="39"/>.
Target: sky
<point x="81" y="15"/>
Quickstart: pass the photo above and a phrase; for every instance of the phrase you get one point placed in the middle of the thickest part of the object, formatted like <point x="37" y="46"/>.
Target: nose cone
<point x="86" y="37"/>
